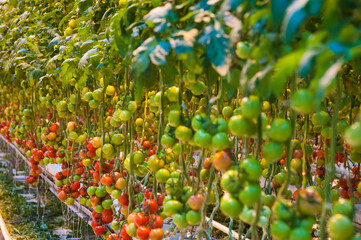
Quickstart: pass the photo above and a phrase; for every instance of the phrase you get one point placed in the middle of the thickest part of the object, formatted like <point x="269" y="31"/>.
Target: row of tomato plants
<point x="178" y="110"/>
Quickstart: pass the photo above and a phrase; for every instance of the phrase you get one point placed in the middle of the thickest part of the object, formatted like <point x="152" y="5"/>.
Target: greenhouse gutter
<point x="83" y="212"/>
<point x="4" y="233"/>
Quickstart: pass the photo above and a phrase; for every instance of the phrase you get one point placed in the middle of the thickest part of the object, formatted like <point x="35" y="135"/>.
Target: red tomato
<point x="107" y="179"/>
<point x="123" y="199"/>
<point x="99" y="230"/>
<point x="140" y="219"/>
<point x="150" y="206"/>
<point x="143" y="233"/>
<point x="107" y="219"/>
<point x="160" y="199"/>
<point x="96" y="215"/>
<point x="156" y="221"/>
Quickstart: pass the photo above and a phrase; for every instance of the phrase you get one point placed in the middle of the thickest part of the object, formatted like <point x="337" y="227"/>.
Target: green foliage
<point x="287" y="39"/>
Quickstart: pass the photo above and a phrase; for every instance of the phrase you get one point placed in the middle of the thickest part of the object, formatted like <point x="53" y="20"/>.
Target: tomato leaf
<point x="278" y="10"/>
<point x="231" y="82"/>
<point x="306" y="62"/>
<point x="161" y="18"/>
<point x="327" y="81"/>
<point x="295" y="15"/>
<point x="216" y="44"/>
<point x="284" y="68"/>
<point x="159" y="53"/>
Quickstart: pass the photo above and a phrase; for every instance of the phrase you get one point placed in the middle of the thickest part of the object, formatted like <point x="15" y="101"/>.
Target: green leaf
<point x="120" y="40"/>
<point x="85" y="58"/>
<point x="141" y="56"/>
<point x="159" y="53"/>
<point x="216" y="45"/>
<point x="278" y="10"/>
<point x="161" y="17"/>
<point x="260" y="83"/>
<point x="231" y="82"/>
<point x="295" y="15"/>
<point x="284" y="68"/>
<point x="183" y="41"/>
<point x="230" y="5"/>
<point x="327" y="81"/>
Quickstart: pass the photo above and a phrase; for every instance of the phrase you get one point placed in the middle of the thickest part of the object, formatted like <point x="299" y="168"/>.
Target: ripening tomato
<point x="62" y="196"/>
<point x="156" y="234"/>
<point x="195" y="202"/>
<point x="222" y="160"/>
<point x="107" y="179"/>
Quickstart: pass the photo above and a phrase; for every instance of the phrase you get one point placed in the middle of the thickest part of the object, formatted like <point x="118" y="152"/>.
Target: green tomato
<point x="230" y="181"/>
<point x="125" y="115"/>
<point x="251" y="107"/>
<point x="180" y="220"/>
<point x="172" y="94"/>
<point x="174" y="118"/>
<point x="343" y="207"/>
<point x="91" y="190"/>
<point x="167" y="140"/>
<point x="220" y="141"/>
<point x="99" y="209"/>
<point x="172" y="207"/>
<point x="138" y="157"/>
<point x="107" y="204"/>
<point x="272" y="151"/>
<point x="243" y="50"/>
<point x="352" y="135"/>
<point x="162" y="175"/>
<point x="100" y="192"/>
<point x="281" y="130"/>
<point x="200" y="121"/>
<point x="251" y="169"/>
<point x="280" y="230"/>
<point x="250" y="195"/>
<point x="69" y="201"/>
<point x="300" y="234"/>
<point x="132" y="106"/>
<point x="202" y="138"/>
<point x="283" y="210"/>
<point x="98" y="94"/>
<point x="303" y="101"/>
<point x="193" y="217"/>
<point x="183" y="133"/>
<point x="227" y="112"/>
<point x="321" y="118"/>
<point x="93" y="103"/>
<point x="241" y="127"/>
<point x="117" y="139"/>
<point x="230" y="206"/>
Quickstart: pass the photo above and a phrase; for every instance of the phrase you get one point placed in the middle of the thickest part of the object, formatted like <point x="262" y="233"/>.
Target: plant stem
<point x="330" y="166"/>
